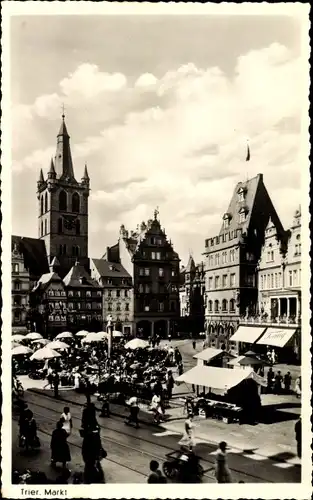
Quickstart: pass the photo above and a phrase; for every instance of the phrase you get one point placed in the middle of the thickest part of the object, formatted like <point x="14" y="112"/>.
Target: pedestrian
<point x="56" y="382"/>
<point x="222" y="472"/>
<point x="287" y="382"/>
<point x="298" y="387"/>
<point x="189" y="406"/>
<point x="67" y="420"/>
<point x="49" y="378"/>
<point x="180" y="368"/>
<point x="270" y="379"/>
<point x="158" y="340"/>
<point x="156" y="475"/>
<point x="60" y="451"/>
<point x="277" y="383"/>
<point x="92" y="453"/>
<point x="30" y="431"/>
<point x="298" y="432"/>
<point x="273" y="356"/>
<point x="89" y="420"/>
<point x="194" y="344"/>
<point x="169" y="338"/>
<point x="188" y="436"/>
<point x="169" y="384"/>
<point x="133" y="412"/>
<point x="105" y="410"/>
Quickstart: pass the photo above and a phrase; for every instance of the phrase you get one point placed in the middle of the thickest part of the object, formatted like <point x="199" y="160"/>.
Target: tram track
<point x="152" y="455"/>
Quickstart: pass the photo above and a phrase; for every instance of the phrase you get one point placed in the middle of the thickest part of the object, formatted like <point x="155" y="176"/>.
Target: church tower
<point x="63" y="208"/>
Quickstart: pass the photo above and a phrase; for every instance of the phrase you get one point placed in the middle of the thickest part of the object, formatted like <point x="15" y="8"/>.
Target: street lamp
<point x="110" y="332"/>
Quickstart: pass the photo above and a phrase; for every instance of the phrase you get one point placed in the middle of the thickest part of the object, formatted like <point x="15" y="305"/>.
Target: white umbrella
<point x="95" y="337"/>
<point x="40" y="341"/>
<point x="44" y="353"/>
<point x="18" y="337"/>
<point x="33" y="336"/>
<point x="20" y="349"/>
<point x="57" y="344"/>
<point x="135" y="343"/>
<point x="82" y="333"/>
<point x="116" y="333"/>
<point x="64" y="335"/>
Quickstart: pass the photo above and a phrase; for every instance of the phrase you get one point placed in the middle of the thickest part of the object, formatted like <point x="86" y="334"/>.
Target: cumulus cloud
<point x="185" y="139"/>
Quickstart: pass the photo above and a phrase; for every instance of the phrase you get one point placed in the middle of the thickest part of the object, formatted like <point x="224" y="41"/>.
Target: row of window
<point x="223" y="306"/>
<point x="148" y="288"/>
<point x="116" y="293"/>
<point x="145" y="271"/>
<point x="216" y="282"/>
<point x="75" y="250"/>
<point x="82" y="305"/>
<point x="147" y="307"/>
<point x="274" y="280"/>
<point x="74" y="293"/>
<point x="119" y="307"/>
<point x="298" y="249"/>
<point x="84" y="317"/>
<point x="63" y="202"/>
<point x="57" y="318"/>
<point x="109" y="281"/>
<point x="223" y="258"/>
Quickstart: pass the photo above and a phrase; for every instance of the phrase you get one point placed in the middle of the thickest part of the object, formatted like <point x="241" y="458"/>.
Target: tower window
<point x="75" y="203"/>
<point x="46" y="226"/>
<point x="46" y="202"/>
<point x="60" y="225"/>
<point x="41" y="205"/>
<point x="77" y="227"/>
<point x="63" y="201"/>
<point x="75" y="251"/>
<point x="41" y="228"/>
<point x="62" y="250"/>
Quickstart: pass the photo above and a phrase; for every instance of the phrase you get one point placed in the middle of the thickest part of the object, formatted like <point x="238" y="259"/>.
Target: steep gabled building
<point x="149" y="258"/>
<point x="29" y="261"/>
<point x="231" y="259"/>
<point x="63" y="208"/>
<point x="117" y="287"/>
<point x="192" y="296"/>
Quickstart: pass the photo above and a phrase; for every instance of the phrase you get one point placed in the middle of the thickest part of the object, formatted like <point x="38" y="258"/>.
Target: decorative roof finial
<point x="156" y="213"/>
<point x="63" y="111"/>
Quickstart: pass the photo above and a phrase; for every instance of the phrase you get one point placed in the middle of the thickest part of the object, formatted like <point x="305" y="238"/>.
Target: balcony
<point x="271" y="321"/>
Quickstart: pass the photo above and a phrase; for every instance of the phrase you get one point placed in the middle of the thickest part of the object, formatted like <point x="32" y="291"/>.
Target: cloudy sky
<point x="160" y="108"/>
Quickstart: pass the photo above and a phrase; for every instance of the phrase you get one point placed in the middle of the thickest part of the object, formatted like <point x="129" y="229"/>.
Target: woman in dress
<point x="30" y="431"/>
<point x="60" y="451"/>
<point x="188" y="436"/>
<point x="298" y="387"/>
<point x="67" y="420"/>
<point x="222" y="472"/>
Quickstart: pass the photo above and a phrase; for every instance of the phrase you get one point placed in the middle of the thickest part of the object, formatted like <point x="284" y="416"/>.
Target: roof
<point x="191" y="265"/>
<point x="222" y="379"/>
<point x="75" y="275"/>
<point x="34" y="253"/>
<point x="110" y="269"/>
<point x="46" y="278"/>
<point x="63" y="158"/>
<point x="208" y="354"/>
<point x="250" y="189"/>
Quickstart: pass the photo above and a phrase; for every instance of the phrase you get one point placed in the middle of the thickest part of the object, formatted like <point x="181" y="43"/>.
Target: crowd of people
<point x="277" y="383"/>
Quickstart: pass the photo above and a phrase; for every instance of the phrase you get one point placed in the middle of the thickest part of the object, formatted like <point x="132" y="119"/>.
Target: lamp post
<point x="109" y="328"/>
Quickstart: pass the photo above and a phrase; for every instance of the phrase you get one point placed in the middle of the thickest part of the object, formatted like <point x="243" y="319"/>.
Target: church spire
<point x="85" y="176"/>
<point x="63" y="158"/>
<point x="51" y="172"/>
<point x="41" y="178"/>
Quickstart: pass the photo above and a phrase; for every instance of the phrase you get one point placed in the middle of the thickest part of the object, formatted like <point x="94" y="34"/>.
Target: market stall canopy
<point x="249" y="361"/>
<point x="277" y="337"/>
<point x="217" y="378"/>
<point x="95" y="337"/>
<point x="40" y="341"/>
<point x="116" y="333"/>
<point x="82" y="333"/>
<point x="33" y="336"/>
<point x="249" y="334"/>
<point x="235" y="362"/>
<point x="58" y="344"/>
<point x="208" y="354"/>
<point x="64" y="335"/>
<point x="136" y="343"/>
<point x="20" y="349"/>
<point x="251" y="353"/>
<point x="44" y="353"/>
<point x="18" y="337"/>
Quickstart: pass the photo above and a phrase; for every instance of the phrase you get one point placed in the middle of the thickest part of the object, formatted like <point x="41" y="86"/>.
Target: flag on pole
<point x="248" y="153"/>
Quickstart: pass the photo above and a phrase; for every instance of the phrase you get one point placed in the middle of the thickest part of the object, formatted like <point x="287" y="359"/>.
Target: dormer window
<point x="241" y="194"/>
<point x="226" y="221"/>
<point x="242" y="215"/>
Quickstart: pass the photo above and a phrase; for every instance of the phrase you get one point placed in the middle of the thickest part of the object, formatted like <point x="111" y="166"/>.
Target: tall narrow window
<point x="41" y="233"/>
<point x="41" y="205"/>
<point x="63" y="201"/>
<point x="75" y="203"/>
<point x="77" y="227"/>
<point x="60" y="225"/>
<point x="46" y="202"/>
<point x="46" y="226"/>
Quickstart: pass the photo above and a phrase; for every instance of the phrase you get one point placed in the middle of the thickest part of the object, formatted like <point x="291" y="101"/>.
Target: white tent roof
<point x="208" y="354"/>
<point x="248" y="334"/>
<point x="216" y="378"/>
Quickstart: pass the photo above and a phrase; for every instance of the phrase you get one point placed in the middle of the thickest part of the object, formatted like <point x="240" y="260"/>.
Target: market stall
<point x="229" y="394"/>
<point x="213" y="357"/>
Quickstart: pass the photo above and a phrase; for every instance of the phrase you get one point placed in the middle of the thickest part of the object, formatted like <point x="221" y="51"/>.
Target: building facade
<point x="192" y="295"/>
<point x="149" y="258"/>
<point x="231" y="260"/>
<point x="63" y="208"/>
<point x="84" y="301"/>
<point x="49" y="298"/>
<point x="29" y="261"/>
<point x="117" y="288"/>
